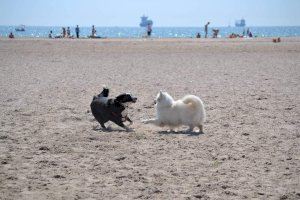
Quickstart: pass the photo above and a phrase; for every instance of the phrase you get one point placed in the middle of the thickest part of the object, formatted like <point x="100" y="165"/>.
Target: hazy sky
<point x="162" y="12"/>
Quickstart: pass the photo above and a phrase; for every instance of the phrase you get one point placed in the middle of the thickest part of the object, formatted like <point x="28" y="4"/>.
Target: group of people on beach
<point x="247" y="33"/>
<point x="66" y="33"/>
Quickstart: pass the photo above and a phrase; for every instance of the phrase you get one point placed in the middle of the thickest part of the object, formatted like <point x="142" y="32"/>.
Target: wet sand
<point x="51" y="148"/>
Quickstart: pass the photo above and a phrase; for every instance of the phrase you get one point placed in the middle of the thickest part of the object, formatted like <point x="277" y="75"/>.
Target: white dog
<point x="187" y="111"/>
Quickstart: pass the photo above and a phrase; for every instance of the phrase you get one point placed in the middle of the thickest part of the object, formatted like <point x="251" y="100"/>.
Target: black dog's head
<point x="126" y="98"/>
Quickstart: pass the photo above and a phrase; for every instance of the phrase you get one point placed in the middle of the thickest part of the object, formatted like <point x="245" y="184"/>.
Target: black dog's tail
<point x="104" y="93"/>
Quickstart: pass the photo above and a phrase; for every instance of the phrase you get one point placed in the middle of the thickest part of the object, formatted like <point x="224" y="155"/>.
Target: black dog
<point x="105" y="109"/>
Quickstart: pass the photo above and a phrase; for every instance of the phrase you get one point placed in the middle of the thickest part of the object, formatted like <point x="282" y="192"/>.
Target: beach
<point x="52" y="148"/>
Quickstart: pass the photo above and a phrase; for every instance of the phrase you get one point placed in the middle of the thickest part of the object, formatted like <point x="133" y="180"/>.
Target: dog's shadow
<point x="188" y="133"/>
<point x="109" y="130"/>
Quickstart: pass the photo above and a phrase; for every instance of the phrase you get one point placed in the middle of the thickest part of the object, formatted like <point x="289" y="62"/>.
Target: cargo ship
<point x="240" y="23"/>
<point x="145" y="21"/>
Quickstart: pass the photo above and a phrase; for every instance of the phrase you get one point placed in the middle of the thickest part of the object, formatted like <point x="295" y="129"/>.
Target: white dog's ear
<point x="160" y="92"/>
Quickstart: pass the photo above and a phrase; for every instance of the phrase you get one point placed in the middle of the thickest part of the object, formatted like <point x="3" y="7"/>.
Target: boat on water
<point x="20" y="28"/>
<point x="240" y="23"/>
<point x="145" y="21"/>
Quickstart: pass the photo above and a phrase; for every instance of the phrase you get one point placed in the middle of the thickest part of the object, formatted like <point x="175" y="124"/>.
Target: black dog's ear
<point x="121" y="97"/>
<point x="104" y="92"/>
<point x="125" y="97"/>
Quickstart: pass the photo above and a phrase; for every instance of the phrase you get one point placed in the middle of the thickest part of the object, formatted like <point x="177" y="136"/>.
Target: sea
<point x="158" y="32"/>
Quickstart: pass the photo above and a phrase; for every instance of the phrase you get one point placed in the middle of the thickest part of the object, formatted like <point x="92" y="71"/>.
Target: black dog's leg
<point x="121" y="124"/>
<point x="103" y="126"/>
<point x="127" y="119"/>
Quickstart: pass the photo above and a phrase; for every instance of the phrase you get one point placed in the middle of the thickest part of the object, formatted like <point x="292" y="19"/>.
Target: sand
<point x="51" y="148"/>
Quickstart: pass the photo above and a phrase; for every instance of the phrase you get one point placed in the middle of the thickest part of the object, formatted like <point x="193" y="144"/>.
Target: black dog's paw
<point x="96" y="128"/>
<point x="108" y="128"/>
<point x="129" y="129"/>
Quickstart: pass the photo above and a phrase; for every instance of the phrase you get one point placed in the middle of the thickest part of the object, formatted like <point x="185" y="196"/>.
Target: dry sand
<point x="50" y="148"/>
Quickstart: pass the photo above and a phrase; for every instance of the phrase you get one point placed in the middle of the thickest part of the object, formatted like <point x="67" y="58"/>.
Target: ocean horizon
<point x="158" y="32"/>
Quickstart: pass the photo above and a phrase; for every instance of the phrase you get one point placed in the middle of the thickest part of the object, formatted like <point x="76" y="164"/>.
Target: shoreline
<point x="254" y="39"/>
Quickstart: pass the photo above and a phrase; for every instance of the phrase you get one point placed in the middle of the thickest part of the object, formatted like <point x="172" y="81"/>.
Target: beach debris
<point x="4" y="162"/>
<point x="283" y="197"/>
<point x="261" y="98"/>
<point x="44" y="148"/>
<point x="3" y="137"/>
<point x="224" y="187"/>
<point x="290" y="107"/>
<point x="120" y="158"/>
<point x="226" y="125"/>
<point x="198" y="196"/>
<point x="58" y="176"/>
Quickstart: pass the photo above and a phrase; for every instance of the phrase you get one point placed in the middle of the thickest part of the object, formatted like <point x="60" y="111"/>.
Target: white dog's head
<point x="163" y="99"/>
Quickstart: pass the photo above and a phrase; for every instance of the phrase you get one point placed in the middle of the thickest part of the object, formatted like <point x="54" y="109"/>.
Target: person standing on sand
<point x="206" y="29"/>
<point x="93" y="31"/>
<point x="68" y="32"/>
<point x="11" y="35"/>
<point x="77" y="31"/>
<point x="63" y="32"/>
<point x="50" y="34"/>
<point x="149" y="30"/>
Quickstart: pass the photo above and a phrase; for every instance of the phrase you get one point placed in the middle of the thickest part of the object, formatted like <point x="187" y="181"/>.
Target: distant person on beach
<point x="93" y="31"/>
<point x="149" y="30"/>
<point x="250" y="34"/>
<point x="215" y="33"/>
<point x="68" y="32"/>
<point x="11" y="35"/>
<point x="77" y="31"/>
<point x="50" y="34"/>
<point x="94" y="35"/>
<point x="206" y="29"/>
<point x="63" y="32"/>
<point x="248" y="31"/>
<point x="198" y="35"/>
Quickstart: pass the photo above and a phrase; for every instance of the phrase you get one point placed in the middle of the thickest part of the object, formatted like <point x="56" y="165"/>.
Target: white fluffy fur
<point x="187" y="111"/>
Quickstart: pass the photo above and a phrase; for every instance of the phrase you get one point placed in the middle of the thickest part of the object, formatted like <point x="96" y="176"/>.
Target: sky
<point x="178" y="13"/>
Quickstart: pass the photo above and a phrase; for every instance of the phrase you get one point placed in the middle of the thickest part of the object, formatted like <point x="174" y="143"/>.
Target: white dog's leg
<point x="200" y="128"/>
<point x="153" y="121"/>
<point x="173" y="129"/>
<point x="191" y="128"/>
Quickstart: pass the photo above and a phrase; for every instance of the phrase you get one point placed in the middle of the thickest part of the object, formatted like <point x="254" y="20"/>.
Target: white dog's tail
<point x="196" y="103"/>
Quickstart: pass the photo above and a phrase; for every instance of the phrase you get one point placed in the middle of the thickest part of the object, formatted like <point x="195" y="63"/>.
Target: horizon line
<point x="116" y="26"/>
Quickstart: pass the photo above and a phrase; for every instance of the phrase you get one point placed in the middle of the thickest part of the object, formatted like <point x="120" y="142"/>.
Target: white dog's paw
<point x="145" y="121"/>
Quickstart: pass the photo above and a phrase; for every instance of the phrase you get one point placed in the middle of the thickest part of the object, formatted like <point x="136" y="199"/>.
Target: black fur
<point x="107" y="109"/>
